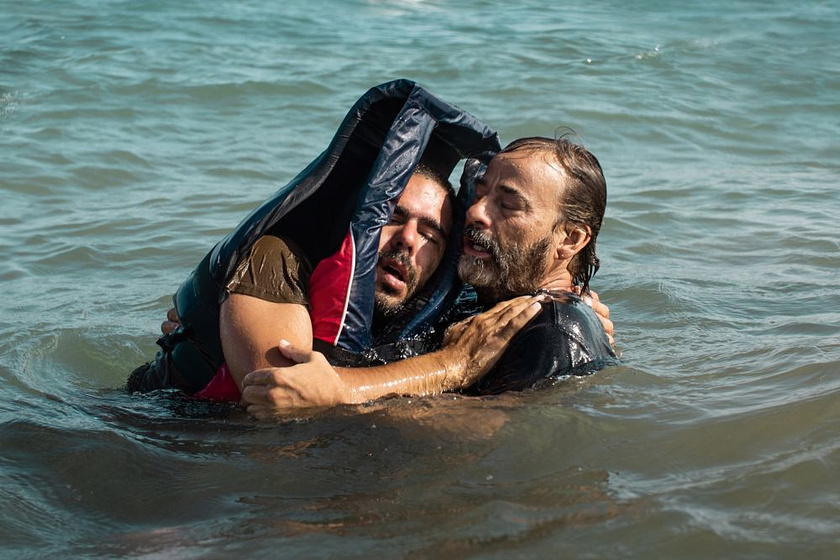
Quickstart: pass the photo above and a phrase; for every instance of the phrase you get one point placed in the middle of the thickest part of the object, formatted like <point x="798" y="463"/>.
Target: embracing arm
<point x="313" y="382"/>
<point x="470" y="350"/>
<point x="428" y="374"/>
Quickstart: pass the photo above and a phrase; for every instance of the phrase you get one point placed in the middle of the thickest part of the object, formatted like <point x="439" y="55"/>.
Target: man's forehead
<point x="526" y="160"/>
<point x="422" y="188"/>
<point x="427" y="197"/>
<point x="527" y="171"/>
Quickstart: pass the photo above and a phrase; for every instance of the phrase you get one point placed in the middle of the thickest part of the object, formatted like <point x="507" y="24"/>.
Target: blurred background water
<point x="134" y="135"/>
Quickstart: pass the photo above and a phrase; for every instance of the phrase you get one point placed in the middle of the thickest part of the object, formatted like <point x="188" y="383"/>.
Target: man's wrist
<point x="453" y="367"/>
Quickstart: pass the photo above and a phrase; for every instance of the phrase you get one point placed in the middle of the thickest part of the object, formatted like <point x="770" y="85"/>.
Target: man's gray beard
<point x="506" y="273"/>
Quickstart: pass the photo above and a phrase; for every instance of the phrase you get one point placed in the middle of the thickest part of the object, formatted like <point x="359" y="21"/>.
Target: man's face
<point x="412" y="244"/>
<point x="509" y="231"/>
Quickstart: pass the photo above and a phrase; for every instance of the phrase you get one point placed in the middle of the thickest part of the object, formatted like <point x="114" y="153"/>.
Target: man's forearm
<point x="428" y="374"/>
<point x="313" y="382"/>
<point x="473" y="348"/>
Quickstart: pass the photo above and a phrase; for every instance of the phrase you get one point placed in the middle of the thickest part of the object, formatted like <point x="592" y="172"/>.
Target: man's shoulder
<point x="566" y="313"/>
<point x="274" y="246"/>
<point x="275" y="270"/>
<point x="565" y="338"/>
<point x="569" y="327"/>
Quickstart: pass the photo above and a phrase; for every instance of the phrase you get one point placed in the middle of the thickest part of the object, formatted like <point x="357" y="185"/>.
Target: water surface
<point x="135" y="135"/>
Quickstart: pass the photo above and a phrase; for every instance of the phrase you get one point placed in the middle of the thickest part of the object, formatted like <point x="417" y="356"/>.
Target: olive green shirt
<point x="275" y="269"/>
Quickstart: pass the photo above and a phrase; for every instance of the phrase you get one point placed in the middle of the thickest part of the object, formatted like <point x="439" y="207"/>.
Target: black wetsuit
<point x="565" y="338"/>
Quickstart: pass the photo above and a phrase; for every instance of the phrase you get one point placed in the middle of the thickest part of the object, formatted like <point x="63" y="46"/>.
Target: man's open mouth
<point x="476" y="244"/>
<point x="395" y="269"/>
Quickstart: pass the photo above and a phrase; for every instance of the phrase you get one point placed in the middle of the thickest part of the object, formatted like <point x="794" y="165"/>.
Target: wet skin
<point x="512" y="218"/>
<point x="412" y="244"/>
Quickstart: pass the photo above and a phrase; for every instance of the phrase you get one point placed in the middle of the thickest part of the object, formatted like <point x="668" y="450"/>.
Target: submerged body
<point x="566" y="338"/>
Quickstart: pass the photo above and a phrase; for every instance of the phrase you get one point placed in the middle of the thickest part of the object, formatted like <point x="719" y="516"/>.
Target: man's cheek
<point x="385" y="236"/>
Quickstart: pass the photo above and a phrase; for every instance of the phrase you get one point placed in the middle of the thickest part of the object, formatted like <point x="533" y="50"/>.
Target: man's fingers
<point x="516" y="318"/>
<point x="259" y="377"/>
<point x="255" y="394"/>
<point x="297" y="355"/>
<point x="599" y="307"/>
<point x="519" y="301"/>
<point x="504" y="311"/>
<point x="271" y="396"/>
<point x="602" y="312"/>
<point x="262" y="412"/>
<point x="172" y="322"/>
<point x="507" y="320"/>
<point x="514" y="306"/>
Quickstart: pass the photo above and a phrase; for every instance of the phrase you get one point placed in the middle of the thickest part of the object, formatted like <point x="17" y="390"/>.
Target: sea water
<point x="134" y="135"/>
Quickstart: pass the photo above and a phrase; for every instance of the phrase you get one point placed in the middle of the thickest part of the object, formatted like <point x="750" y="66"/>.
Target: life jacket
<point x="334" y="211"/>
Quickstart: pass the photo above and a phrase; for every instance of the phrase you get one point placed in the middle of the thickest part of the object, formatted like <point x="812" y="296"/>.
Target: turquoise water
<point x="134" y="135"/>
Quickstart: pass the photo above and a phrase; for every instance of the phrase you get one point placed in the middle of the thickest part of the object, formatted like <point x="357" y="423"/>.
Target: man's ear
<point x="572" y="240"/>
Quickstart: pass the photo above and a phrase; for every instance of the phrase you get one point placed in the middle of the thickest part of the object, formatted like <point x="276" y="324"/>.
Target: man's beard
<point x="385" y="302"/>
<point x="507" y="272"/>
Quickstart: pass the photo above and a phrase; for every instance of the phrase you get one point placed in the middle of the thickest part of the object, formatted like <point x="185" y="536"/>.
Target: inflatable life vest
<point x="334" y="210"/>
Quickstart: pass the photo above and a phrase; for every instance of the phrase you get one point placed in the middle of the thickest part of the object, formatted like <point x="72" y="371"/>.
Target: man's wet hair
<point x="431" y="172"/>
<point x="583" y="199"/>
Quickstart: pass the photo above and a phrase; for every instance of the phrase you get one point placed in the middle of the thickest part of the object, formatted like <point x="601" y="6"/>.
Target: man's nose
<point x="477" y="213"/>
<point x="406" y="237"/>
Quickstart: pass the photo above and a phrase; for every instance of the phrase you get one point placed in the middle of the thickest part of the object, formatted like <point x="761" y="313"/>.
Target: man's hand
<point x="601" y="311"/>
<point x="311" y="382"/>
<point x="172" y="323"/>
<point x="477" y="343"/>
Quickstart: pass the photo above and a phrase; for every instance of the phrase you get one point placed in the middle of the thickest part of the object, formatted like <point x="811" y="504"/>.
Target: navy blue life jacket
<point x="334" y="211"/>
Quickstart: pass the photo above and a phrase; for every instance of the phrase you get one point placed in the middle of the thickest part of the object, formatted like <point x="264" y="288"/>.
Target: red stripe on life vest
<point x="329" y="291"/>
<point x="221" y="388"/>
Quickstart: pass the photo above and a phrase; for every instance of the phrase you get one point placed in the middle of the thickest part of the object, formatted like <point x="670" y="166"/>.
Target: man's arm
<point x="249" y="328"/>
<point x="468" y="354"/>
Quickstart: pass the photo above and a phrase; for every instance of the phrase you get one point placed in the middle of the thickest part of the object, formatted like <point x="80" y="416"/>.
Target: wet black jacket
<point x="565" y="338"/>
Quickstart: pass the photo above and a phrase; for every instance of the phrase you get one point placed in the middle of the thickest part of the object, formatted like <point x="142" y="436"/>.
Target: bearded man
<point x="531" y="229"/>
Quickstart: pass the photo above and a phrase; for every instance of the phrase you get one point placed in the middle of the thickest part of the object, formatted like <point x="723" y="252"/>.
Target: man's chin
<point x="388" y="306"/>
<point x="475" y="271"/>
